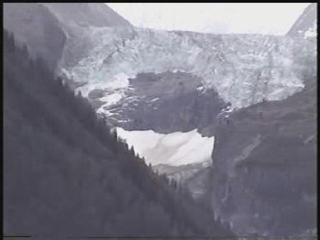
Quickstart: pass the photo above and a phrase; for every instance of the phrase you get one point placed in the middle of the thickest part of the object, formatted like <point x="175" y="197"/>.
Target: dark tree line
<point x="67" y="174"/>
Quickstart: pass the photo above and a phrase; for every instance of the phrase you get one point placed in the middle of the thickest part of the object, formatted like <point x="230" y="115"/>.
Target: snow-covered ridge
<point x="173" y="149"/>
<point x="244" y="69"/>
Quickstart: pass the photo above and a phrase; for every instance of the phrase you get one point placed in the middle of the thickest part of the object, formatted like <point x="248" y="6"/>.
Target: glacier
<point x="243" y="68"/>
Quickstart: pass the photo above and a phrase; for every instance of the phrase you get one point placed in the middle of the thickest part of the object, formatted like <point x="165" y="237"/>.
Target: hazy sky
<point x="264" y="18"/>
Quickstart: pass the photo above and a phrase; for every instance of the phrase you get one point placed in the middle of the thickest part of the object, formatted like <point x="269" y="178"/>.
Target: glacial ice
<point x="237" y="66"/>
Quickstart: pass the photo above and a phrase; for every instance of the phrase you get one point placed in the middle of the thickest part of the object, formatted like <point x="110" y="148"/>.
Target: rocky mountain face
<point x="264" y="165"/>
<point x="176" y="82"/>
<point x="263" y="175"/>
<point x="143" y="79"/>
<point x="306" y="24"/>
<point x="67" y="175"/>
<point x="47" y="28"/>
<point x="86" y="14"/>
<point x="75" y="18"/>
<point x="35" y="26"/>
<point x="178" y="96"/>
<point x="195" y="177"/>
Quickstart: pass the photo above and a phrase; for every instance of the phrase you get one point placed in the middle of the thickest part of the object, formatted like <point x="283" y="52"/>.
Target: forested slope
<point x="67" y="174"/>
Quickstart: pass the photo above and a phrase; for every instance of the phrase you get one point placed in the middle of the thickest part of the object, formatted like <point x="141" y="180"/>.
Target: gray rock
<point x="46" y="28"/>
<point x="86" y="14"/>
<point x="307" y="20"/>
<point x="168" y="102"/>
<point x="35" y="26"/>
<point x="264" y="169"/>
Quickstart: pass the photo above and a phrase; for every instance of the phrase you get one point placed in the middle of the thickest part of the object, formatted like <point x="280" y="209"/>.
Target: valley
<point x="229" y="117"/>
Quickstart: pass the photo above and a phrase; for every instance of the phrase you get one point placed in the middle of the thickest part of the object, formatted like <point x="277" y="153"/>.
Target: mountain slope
<point x="86" y="14"/>
<point x="46" y="28"/>
<point x="176" y="81"/>
<point x="264" y="165"/>
<point x="171" y="82"/>
<point x="263" y="175"/>
<point x="306" y="24"/>
<point x="76" y="18"/>
<point x="35" y="26"/>
<point x="66" y="174"/>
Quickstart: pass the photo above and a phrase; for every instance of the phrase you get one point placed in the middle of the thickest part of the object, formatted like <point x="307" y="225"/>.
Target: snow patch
<point x="200" y="88"/>
<point x="111" y="99"/>
<point x="226" y="111"/>
<point x="177" y="70"/>
<point x="312" y="31"/>
<point x="104" y="111"/>
<point x="120" y="80"/>
<point x="174" y="149"/>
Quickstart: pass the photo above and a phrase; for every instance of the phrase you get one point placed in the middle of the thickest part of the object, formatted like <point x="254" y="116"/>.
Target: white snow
<point x="120" y="80"/>
<point x="312" y="31"/>
<point x="200" y="88"/>
<point x="178" y="70"/>
<point x="112" y="98"/>
<point x="104" y="111"/>
<point x="124" y="121"/>
<point x="173" y="149"/>
<point x="115" y="89"/>
<point x="226" y="111"/>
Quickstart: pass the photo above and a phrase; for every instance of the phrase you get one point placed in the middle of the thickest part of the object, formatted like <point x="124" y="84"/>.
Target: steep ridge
<point x="86" y="14"/>
<point x="46" y="28"/>
<point x="263" y="175"/>
<point x="66" y="174"/>
<point x="75" y="18"/>
<point x="306" y="24"/>
<point x="35" y="26"/>
<point x="264" y="165"/>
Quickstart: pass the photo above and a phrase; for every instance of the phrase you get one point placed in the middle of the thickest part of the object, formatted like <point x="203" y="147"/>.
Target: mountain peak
<point x="87" y="14"/>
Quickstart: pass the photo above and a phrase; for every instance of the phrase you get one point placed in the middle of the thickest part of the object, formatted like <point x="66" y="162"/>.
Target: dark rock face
<point x="68" y="176"/>
<point x="47" y="28"/>
<point x="86" y="14"/>
<point x="76" y="18"/>
<point x="35" y="26"/>
<point x="194" y="177"/>
<point x="168" y="102"/>
<point x="264" y="166"/>
<point x="306" y="21"/>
